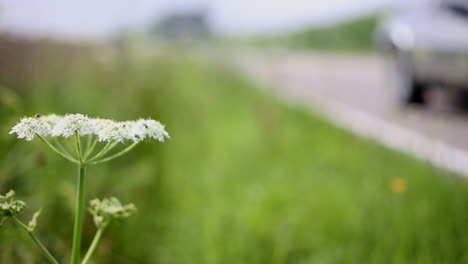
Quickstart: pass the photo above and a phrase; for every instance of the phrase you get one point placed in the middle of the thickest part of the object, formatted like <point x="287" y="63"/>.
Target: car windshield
<point x="459" y="8"/>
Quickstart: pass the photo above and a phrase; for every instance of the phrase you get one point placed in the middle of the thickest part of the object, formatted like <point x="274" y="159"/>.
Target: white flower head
<point x="52" y="119"/>
<point x="100" y="124"/>
<point x="149" y="128"/>
<point x="71" y="123"/>
<point x="117" y="131"/>
<point x="106" y="130"/>
<point x="29" y="127"/>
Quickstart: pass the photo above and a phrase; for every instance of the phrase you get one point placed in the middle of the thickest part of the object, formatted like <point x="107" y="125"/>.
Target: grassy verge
<point x="244" y="179"/>
<point x="350" y="36"/>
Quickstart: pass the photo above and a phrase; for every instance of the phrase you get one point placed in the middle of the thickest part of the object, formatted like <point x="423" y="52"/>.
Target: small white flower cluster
<point x="106" y="130"/>
<point x="69" y="124"/>
<point x="29" y="127"/>
<point x="9" y="206"/>
<point x="109" y="209"/>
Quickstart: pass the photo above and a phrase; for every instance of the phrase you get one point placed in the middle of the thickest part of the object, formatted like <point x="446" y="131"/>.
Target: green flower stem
<point x="78" y="227"/>
<point x="38" y="243"/>
<point x="78" y="147"/>
<point x="90" y="150"/>
<point x="89" y="139"/>
<point x="61" y="147"/>
<point x="93" y="245"/>
<point x="63" y="155"/>
<point x="115" y="155"/>
<point x="108" y="147"/>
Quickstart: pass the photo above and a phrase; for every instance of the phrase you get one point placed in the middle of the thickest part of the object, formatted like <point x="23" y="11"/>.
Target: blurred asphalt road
<point x="357" y="92"/>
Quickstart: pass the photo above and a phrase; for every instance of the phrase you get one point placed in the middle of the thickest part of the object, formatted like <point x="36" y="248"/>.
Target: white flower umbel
<point x="135" y="131"/>
<point x="52" y="119"/>
<point x="117" y="131"/>
<point x="29" y="127"/>
<point x="149" y="128"/>
<point x="104" y="140"/>
<point x="51" y="127"/>
<point x="71" y="123"/>
<point x="101" y="123"/>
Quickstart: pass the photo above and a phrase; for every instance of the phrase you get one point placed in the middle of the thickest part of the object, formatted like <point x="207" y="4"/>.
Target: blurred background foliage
<point x="244" y="179"/>
<point x="354" y="35"/>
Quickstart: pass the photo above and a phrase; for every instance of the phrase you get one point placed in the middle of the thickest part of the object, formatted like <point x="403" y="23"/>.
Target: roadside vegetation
<point x="244" y="179"/>
<point x="351" y="36"/>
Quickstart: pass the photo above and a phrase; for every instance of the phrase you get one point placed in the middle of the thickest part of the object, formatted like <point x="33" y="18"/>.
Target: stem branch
<point x="38" y="243"/>
<point x="61" y="147"/>
<point x="78" y="147"/>
<point x="115" y="155"/>
<point x="90" y="150"/>
<point x="108" y="147"/>
<point x="93" y="245"/>
<point x="63" y="155"/>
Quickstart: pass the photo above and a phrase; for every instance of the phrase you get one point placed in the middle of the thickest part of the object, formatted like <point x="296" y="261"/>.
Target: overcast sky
<point x="103" y="17"/>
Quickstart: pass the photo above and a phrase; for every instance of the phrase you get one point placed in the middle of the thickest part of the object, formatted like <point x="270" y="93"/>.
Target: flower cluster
<point x="108" y="209"/>
<point x="29" y="127"/>
<point x="71" y="124"/>
<point x="9" y="206"/>
<point x="106" y="130"/>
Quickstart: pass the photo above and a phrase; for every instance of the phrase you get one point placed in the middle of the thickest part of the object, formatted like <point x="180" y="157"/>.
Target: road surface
<point x="358" y="93"/>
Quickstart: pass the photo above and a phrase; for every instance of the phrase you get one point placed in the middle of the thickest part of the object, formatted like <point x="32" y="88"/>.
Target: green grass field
<point x="243" y="179"/>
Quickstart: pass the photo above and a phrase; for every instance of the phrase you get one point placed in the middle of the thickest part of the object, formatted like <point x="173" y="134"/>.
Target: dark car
<point x="429" y="47"/>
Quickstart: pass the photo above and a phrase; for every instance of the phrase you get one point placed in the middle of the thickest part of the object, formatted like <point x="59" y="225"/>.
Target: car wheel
<point x="410" y="91"/>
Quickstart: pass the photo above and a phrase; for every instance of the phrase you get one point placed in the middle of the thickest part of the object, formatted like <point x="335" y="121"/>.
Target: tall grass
<point x="244" y="179"/>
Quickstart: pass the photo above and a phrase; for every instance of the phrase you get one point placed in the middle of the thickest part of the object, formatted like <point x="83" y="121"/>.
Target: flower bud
<point x="109" y="209"/>
<point x="9" y="206"/>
